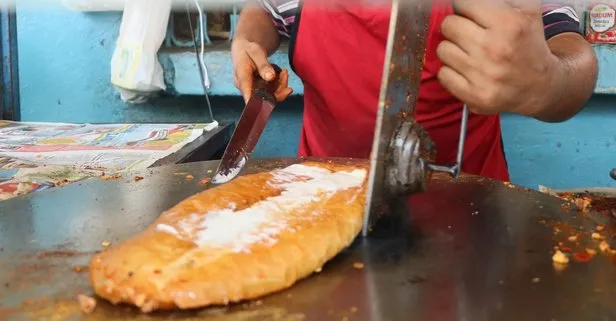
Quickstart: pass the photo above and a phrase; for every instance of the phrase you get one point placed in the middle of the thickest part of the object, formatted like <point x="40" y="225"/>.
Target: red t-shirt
<point x="337" y="48"/>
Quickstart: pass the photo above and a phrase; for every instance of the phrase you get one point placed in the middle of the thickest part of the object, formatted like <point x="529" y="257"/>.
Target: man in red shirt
<point x="521" y="56"/>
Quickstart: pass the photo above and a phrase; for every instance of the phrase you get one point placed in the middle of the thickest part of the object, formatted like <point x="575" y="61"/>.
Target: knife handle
<point x="269" y="87"/>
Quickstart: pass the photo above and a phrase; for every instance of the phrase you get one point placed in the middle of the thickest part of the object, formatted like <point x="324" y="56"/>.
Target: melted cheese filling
<point x="264" y="220"/>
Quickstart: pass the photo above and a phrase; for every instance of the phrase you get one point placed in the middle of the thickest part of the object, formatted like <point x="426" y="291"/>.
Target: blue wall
<point x="64" y="69"/>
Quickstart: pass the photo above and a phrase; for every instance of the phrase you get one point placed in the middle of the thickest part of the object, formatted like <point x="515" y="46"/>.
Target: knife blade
<point x="404" y="57"/>
<point x="249" y="128"/>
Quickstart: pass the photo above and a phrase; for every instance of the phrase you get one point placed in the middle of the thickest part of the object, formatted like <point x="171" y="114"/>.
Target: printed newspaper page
<point x="35" y="156"/>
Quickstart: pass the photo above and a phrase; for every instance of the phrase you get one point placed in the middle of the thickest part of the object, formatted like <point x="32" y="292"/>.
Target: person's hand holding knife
<point x="250" y="61"/>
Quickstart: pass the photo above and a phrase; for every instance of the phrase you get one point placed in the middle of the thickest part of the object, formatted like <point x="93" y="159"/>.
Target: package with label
<point x="600" y="22"/>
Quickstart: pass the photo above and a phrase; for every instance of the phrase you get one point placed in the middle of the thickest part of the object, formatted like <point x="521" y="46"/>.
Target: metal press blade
<point x="404" y="57"/>
<point x="248" y="130"/>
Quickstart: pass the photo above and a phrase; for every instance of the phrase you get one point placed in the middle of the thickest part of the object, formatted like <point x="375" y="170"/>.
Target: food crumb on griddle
<point x="189" y="177"/>
<point x="86" y="303"/>
<point x="138" y="178"/>
<point x="110" y="177"/>
<point x="596" y="236"/>
<point x="560" y="258"/>
<point x="80" y="268"/>
<point x="358" y="265"/>
<point x="204" y="181"/>
<point x="572" y="238"/>
<point x="591" y="252"/>
<point x="600" y="228"/>
<point x="604" y="246"/>
<point x="105" y="243"/>
<point x="583" y="203"/>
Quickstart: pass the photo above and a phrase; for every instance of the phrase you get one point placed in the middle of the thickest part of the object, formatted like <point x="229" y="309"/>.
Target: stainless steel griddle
<point x="475" y="249"/>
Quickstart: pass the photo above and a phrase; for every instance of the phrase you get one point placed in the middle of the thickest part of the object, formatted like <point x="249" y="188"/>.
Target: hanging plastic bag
<point x="135" y="69"/>
<point x="94" y="5"/>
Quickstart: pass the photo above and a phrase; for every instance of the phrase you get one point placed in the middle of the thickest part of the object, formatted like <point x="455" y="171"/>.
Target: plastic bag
<point x="135" y="69"/>
<point x="94" y="5"/>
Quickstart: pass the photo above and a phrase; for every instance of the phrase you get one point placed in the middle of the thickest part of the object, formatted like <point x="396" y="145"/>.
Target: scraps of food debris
<point x="110" y="176"/>
<point x="586" y="201"/>
<point x="86" y="303"/>
<point x="588" y="242"/>
<point x="604" y="247"/>
<point x="80" y="268"/>
<point x="560" y="257"/>
<point x="578" y="243"/>
<point x="204" y="181"/>
<point x="596" y="236"/>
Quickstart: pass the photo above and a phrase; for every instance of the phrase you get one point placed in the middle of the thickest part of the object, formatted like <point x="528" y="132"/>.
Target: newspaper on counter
<point x="19" y="177"/>
<point x="36" y="156"/>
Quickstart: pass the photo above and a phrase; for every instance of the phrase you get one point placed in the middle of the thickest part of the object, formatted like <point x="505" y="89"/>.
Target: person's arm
<point x="577" y="64"/>
<point x="257" y="35"/>
<point x="255" y="25"/>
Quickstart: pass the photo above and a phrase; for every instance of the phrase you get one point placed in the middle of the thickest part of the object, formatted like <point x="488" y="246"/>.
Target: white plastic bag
<point x="135" y="69"/>
<point x="94" y="5"/>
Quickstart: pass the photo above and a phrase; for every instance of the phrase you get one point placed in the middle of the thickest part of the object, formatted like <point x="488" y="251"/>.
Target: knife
<point x="248" y="129"/>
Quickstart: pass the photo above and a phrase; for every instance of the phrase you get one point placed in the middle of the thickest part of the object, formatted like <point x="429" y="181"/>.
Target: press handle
<point x="262" y="86"/>
<point x="456" y="169"/>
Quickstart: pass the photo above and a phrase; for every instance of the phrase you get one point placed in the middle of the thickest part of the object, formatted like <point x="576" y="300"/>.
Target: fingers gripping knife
<point x="402" y="152"/>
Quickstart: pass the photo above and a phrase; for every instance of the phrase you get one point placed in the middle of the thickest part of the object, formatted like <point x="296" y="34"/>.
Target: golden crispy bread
<point x="255" y="235"/>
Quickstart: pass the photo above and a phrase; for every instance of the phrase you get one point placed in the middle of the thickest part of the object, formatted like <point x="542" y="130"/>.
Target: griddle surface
<point x="473" y="250"/>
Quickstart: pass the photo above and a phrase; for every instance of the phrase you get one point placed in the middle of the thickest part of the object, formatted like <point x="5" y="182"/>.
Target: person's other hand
<point x="249" y="61"/>
<point x="495" y="56"/>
